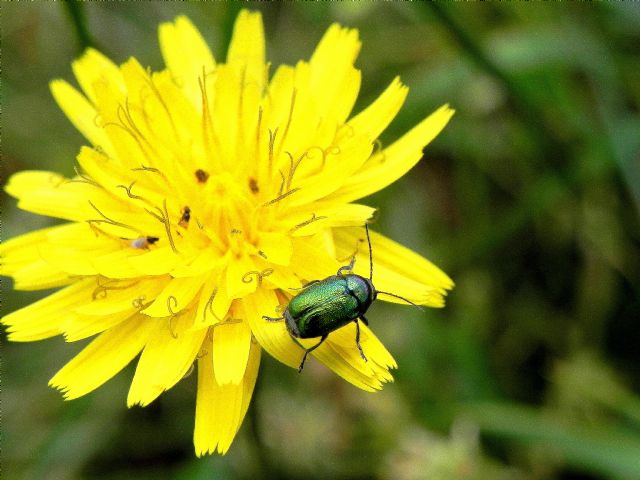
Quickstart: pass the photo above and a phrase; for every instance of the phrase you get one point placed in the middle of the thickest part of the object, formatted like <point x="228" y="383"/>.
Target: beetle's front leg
<point x="309" y="350"/>
<point x="272" y="319"/>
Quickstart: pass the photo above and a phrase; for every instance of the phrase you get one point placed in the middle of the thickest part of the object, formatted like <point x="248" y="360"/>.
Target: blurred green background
<point x="530" y="200"/>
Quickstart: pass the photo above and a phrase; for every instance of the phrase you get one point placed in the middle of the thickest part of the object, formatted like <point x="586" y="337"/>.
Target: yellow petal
<point x="396" y="269"/>
<point x="166" y="358"/>
<point x="339" y="165"/>
<point x="276" y="247"/>
<point x="311" y="219"/>
<point x="175" y="297"/>
<point x="206" y="313"/>
<point x="272" y="336"/>
<point x="93" y="69"/>
<point x="377" y="116"/>
<point x="396" y="160"/>
<point x="247" y="50"/>
<point x="45" y="317"/>
<point x="103" y="358"/>
<point x="22" y="250"/>
<point x="231" y="343"/>
<point x="81" y="113"/>
<point x="333" y="78"/>
<point x="156" y="262"/>
<point x="242" y="277"/>
<point x="78" y="326"/>
<point x="312" y="261"/>
<point x="187" y="56"/>
<point x="340" y="353"/>
<point x="110" y="296"/>
<point x="220" y="409"/>
<point x="39" y="275"/>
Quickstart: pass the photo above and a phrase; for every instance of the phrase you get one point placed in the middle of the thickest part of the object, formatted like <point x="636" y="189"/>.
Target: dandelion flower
<point x="209" y="191"/>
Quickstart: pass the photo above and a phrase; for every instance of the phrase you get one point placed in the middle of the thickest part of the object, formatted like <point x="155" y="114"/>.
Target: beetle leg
<point x="309" y="350"/>
<point x="347" y="268"/>
<point x="358" y="339"/>
<point x="272" y="319"/>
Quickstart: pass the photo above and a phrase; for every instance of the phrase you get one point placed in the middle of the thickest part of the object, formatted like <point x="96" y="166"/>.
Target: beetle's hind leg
<point x="364" y="320"/>
<point x="309" y="350"/>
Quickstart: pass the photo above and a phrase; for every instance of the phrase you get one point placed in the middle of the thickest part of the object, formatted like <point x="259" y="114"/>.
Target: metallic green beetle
<point x="326" y="305"/>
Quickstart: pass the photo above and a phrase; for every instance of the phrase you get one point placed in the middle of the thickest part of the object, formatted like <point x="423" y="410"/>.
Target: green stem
<point x="77" y="14"/>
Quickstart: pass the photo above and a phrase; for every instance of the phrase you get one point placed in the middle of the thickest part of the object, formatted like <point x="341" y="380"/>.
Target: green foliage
<point x="530" y="200"/>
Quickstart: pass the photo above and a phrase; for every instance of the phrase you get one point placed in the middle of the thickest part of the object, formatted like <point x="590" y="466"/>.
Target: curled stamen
<point x="107" y="219"/>
<point x="128" y="190"/>
<point x="313" y="218"/>
<point x="209" y="306"/>
<point x="272" y="142"/>
<point x="228" y="321"/>
<point x="171" y="299"/>
<point x="99" y="293"/>
<point x="172" y="326"/>
<point x="188" y="373"/>
<point x="163" y="217"/>
<point x="333" y="150"/>
<point x="101" y="290"/>
<point x="294" y="93"/>
<point x="82" y="178"/>
<point x="144" y="168"/>
<point x="98" y="121"/>
<point x="377" y="147"/>
<point x="280" y="197"/>
<point x="138" y="303"/>
<point x="248" y="277"/>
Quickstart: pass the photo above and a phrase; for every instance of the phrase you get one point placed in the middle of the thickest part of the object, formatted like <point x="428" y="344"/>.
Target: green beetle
<point x="326" y="305"/>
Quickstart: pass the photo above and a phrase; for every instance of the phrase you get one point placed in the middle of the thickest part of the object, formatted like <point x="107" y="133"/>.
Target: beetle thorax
<point x="362" y="290"/>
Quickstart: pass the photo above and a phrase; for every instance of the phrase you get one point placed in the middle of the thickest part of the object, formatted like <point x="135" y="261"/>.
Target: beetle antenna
<point x="402" y="298"/>
<point x="366" y="228"/>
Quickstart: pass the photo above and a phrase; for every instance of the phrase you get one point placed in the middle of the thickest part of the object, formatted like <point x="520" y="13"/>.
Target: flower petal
<point x="220" y="409"/>
<point x="317" y="216"/>
<point x="186" y="55"/>
<point x="103" y="357"/>
<point x="167" y="356"/>
<point x="81" y="113"/>
<point x="93" y="69"/>
<point x="272" y="336"/>
<point x="247" y="48"/>
<point x="396" y="160"/>
<point x="396" y="269"/>
<point x="377" y="116"/>
<point x="45" y="317"/>
<point x="332" y="72"/>
<point x="78" y="326"/>
<point x="231" y="343"/>
<point x="175" y="297"/>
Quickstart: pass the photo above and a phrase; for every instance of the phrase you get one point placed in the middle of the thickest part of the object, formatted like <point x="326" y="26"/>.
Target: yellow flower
<point x="208" y="193"/>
